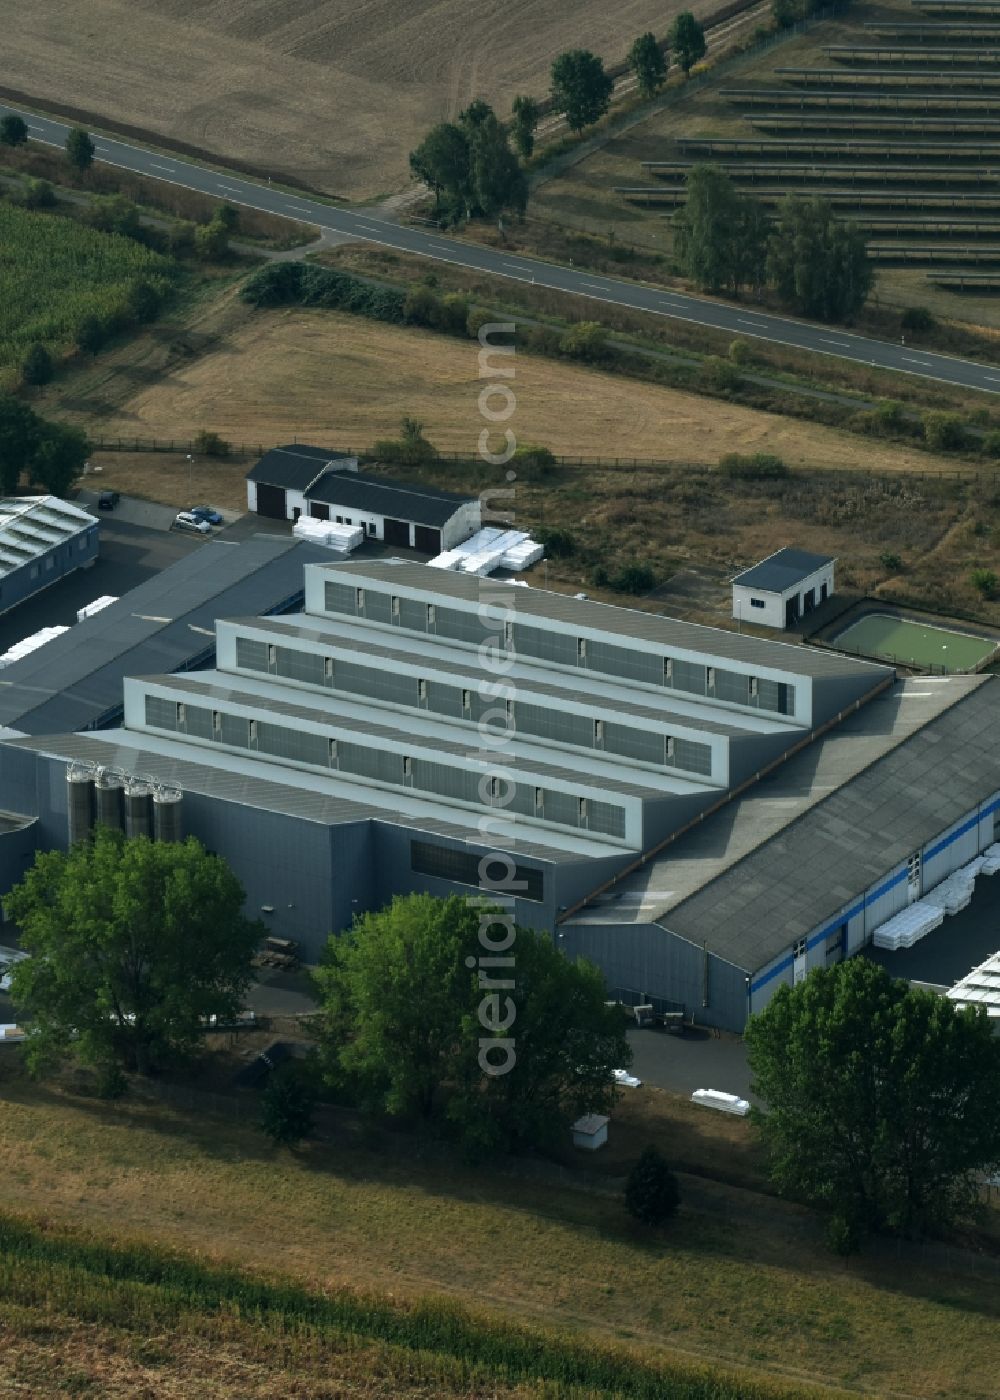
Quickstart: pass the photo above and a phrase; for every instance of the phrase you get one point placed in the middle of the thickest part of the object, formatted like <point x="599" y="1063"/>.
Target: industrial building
<point x="289" y="482"/>
<point x="703" y="814"/>
<point x="41" y="540"/>
<point x="783" y="588"/>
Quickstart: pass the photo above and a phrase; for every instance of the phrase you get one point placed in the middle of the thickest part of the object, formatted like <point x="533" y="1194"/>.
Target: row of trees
<point x="469" y="163"/>
<point x="50" y="455"/>
<point x="134" y="943"/>
<point x="880" y="1102"/>
<point x="725" y="241"/>
<point x="80" y="149"/>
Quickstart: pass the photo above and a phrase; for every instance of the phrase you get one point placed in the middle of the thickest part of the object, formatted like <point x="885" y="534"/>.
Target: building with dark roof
<point x="291" y="481"/>
<point x="42" y="539"/>
<point x="704" y="814"/>
<point x="783" y="587"/>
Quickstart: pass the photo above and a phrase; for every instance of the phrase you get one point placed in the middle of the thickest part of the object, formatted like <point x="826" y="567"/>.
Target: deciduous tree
<point x="405" y="1009"/>
<point x="36" y="367"/>
<point x="13" y="130"/>
<point x="132" y="944"/>
<point x="720" y="236"/>
<point x="687" y="40"/>
<point x="652" y="1193"/>
<point x="649" y="64"/>
<point x="818" y="263"/>
<point x="526" y="113"/>
<point x="19" y="427"/>
<point x="288" y="1105"/>
<point x="79" y="149"/>
<point x="881" y="1100"/>
<point x="58" y="457"/>
<point x="581" y="89"/>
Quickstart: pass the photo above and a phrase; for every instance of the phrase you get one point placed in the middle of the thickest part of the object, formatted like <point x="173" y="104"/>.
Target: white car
<point x="184" y="520"/>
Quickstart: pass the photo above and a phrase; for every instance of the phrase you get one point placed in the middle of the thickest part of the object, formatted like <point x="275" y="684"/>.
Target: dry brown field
<point x="270" y="377"/>
<point x="329" y="92"/>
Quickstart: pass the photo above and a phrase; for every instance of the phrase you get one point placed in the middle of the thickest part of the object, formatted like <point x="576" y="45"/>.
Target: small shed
<point x="783" y="588"/>
<point x="590" y="1132"/>
<point x="395" y="512"/>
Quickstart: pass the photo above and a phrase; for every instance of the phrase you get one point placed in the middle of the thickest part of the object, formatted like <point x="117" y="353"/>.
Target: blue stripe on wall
<point x="877" y="893"/>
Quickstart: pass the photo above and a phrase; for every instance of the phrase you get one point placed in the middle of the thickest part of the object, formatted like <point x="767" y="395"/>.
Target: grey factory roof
<point x="423" y="731"/>
<point x="587" y="615"/>
<point x="162" y="625"/>
<point x="770" y="867"/>
<point x="295" y="465"/>
<point x="782" y="570"/>
<point x="421" y="505"/>
<point x="311" y="797"/>
<point x="532" y="679"/>
<point x="32" y="525"/>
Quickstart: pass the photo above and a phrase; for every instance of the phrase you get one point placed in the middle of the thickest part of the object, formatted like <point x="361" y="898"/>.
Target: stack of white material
<point x="95" y="607"/>
<point x="715" y="1098"/>
<point x="980" y="988"/>
<point x="490" y="549"/>
<point x="991" y="860"/>
<point x="30" y="644"/>
<point x="909" y="926"/>
<point x="342" y="538"/>
<point x="955" y="893"/>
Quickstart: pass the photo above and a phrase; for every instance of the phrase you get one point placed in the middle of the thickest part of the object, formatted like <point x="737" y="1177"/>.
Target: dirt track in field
<point x="332" y="93"/>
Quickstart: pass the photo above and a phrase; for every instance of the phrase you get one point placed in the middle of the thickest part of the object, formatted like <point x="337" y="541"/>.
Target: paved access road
<point x="367" y="227"/>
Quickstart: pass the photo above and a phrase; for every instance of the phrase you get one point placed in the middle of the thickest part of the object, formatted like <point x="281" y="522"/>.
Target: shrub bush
<point x="37" y="367"/>
<point x="984" y="581"/>
<point x="945" y="432"/>
<point x="741" y="352"/>
<point x="991" y="444"/>
<point x="652" y="1194"/>
<point x="585" y="341"/>
<point x="211" y="444"/>
<point x="890" y="561"/>
<point x="634" y="578"/>
<point x="760" y="466"/>
<point x="410" y="449"/>
<point x="530" y="457"/>
<point x="917" y="318"/>
<point x="38" y="194"/>
<point x="718" y="373"/>
<point x="559" y="544"/>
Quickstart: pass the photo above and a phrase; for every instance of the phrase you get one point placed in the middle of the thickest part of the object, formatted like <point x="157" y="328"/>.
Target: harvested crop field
<point x="328" y="92"/>
<point x="342" y="380"/>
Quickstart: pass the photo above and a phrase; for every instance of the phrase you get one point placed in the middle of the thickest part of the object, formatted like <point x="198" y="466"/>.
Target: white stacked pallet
<point x="328" y="534"/>
<point x="96" y="606"/>
<point x="522" y="556"/>
<point x="450" y="559"/>
<point x="489" y="549"/>
<point x="30" y="644"/>
<point x="715" y="1098"/>
<point x="981" y="988"/>
<point x="908" y="926"/>
<point x="990" y="859"/>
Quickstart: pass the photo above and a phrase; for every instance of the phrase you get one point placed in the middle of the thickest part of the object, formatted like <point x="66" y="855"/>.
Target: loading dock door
<point x="319" y="511"/>
<point x="271" y="501"/>
<point x="427" y="539"/>
<point x="397" y="532"/>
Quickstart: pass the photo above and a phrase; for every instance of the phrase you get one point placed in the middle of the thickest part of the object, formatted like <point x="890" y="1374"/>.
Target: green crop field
<point x="897" y="639"/>
<point x="54" y="272"/>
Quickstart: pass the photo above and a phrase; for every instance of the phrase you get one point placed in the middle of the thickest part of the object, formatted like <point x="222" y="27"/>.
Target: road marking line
<point x="596" y="285"/>
<point x="839" y="343"/>
<point x="924" y="364"/>
<point x="230" y="189"/>
<point x="157" y="166"/>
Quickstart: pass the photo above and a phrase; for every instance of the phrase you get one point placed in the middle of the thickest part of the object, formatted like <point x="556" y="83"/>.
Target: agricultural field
<point x="260" y="378"/>
<point x="895" y="126"/>
<point x="739" y="1278"/>
<point x="326" y="92"/>
<point x="54" y="272"/>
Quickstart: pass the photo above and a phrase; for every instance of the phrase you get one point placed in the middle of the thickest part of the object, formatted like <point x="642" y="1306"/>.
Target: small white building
<point x="290" y="482"/>
<point x="590" y="1132"/>
<point x="782" y="588"/>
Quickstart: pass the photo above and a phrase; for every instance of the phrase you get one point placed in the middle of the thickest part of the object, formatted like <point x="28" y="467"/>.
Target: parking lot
<point x="129" y="555"/>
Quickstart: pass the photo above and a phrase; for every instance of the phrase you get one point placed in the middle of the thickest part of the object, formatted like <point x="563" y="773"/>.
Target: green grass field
<point x="897" y="639"/>
<point x="55" y="271"/>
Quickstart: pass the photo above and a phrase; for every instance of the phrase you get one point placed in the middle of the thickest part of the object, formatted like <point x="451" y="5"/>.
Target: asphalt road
<point x="367" y="227"/>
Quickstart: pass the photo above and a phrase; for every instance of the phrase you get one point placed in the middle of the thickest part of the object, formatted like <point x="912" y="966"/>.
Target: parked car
<point x="184" y="520"/>
<point x="107" y="500"/>
<point x="207" y="513"/>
